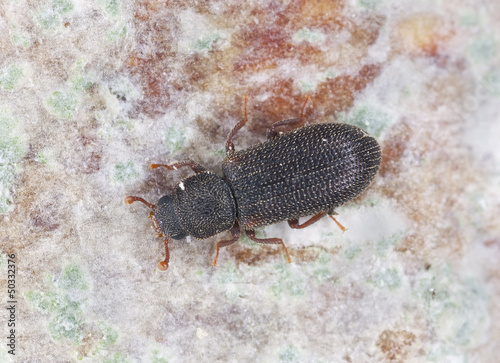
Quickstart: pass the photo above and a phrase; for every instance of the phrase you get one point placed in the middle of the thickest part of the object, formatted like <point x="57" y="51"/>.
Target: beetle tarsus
<point x="342" y="228"/>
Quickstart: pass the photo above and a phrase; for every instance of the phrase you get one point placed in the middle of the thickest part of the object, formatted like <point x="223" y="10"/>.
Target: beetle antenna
<point x="239" y="125"/>
<point x="304" y="107"/>
<point x="130" y="199"/>
<point x="163" y="265"/>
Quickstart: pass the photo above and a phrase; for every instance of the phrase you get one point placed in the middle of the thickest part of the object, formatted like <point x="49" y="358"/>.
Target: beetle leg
<point x="197" y="168"/>
<point x="296" y="122"/>
<point x="342" y="228"/>
<point x="235" y="233"/>
<point x="294" y="223"/>
<point x="130" y="199"/>
<point x="239" y="125"/>
<point x="163" y="265"/>
<point x="265" y="241"/>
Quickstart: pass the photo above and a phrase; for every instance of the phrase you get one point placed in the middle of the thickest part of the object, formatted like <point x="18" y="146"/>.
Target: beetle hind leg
<point x="294" y="223"/>
<point x="267" y="241"/>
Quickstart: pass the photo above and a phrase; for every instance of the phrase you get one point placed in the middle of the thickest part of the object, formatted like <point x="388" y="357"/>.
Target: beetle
<point x="310" y="170"/>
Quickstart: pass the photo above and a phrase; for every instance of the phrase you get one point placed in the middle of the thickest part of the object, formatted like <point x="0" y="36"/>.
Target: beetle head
<point x="201" y="206"/>
<point x="165" y="216"/>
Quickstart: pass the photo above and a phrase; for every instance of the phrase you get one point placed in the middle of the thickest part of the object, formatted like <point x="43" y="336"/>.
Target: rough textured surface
<point x="93" y="91"/>
<point x="304" y="172"/>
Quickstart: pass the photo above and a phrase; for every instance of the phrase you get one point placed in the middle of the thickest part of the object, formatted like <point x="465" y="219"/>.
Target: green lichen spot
<point x="126" y="124"/>
<point x="175" y="139"/>
<point x="483" y="48"/>
<point x="308" y="35"/>
<point x="48" y="19"/>
<point x="221" y="152"/>
<point x="157" y="358"/>
<point x="61" y="6"/>
<point x="307" y="86"/>
<point x="51" y="17"/>
<point x="10" y="76"/>
<point x="457" y="308"/>
<point x="205" y="43"/>
<point x="62" y="104"/>
<point x="113" y="6"/>
<point x="369" y="118"/>
<point x="117" y="358"/>
<point x="63" y="305"/>
<point x="125" y="172"/>
<point x="324" y="258"/>
<point x="119" y="31"/>
<point x="109" y="336"/>
<point x="330" y="74"/>
<point x="12" y="149"/>
<point x="323" y="274"/>
<point x="287" y="283"/>
<point x="67" y="324"/>
<point x="229" y="274"/>
<point x="19" y="38"/>
<point x="289" y="354"/>
<point x="42" y="158"/>
<point x="491" y="81"/>
<point x="470" y="19"/>
<point x="72" y="278"/>
<point x="46" y="302"/>
<point x="79" y="81"/>
<point x="386" y="243"/>
<point x="369" y="4"/>
<point x="388" y="279"/>
<point x="352" y="251"/>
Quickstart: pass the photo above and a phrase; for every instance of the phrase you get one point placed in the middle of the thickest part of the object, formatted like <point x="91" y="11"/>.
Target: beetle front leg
<point x="294" y="223"/>
<point x="235" y="233"/>
<point x="197" y="168"/>
<point x="266" y="241"/>
<point x="131" y="199"/>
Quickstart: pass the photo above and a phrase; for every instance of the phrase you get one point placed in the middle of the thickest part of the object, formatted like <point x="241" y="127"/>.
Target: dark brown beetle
<point x="308" y="171"/>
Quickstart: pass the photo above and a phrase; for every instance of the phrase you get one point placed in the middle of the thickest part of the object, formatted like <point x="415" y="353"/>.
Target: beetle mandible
<point x="310" y="170"/>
